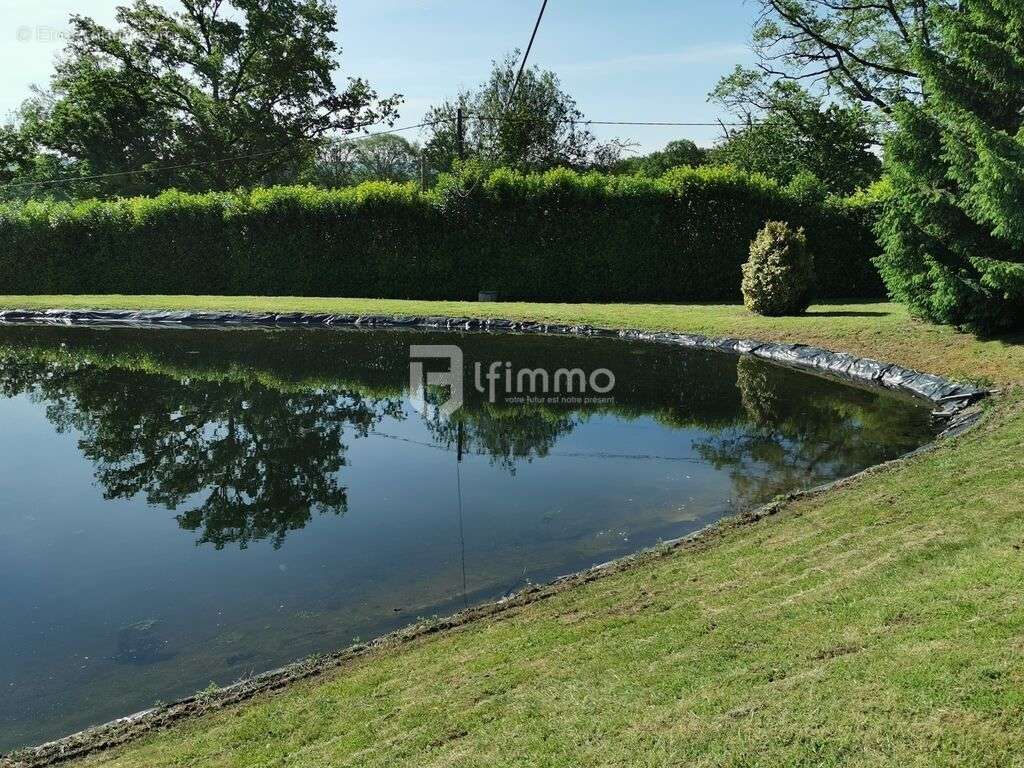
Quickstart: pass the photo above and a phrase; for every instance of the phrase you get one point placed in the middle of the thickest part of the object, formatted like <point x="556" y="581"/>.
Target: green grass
<point x="877" y="329"/>
<point x="879" y="624"/>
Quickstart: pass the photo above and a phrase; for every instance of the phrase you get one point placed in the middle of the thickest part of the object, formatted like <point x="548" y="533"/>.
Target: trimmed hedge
<point x="557" y="236"/>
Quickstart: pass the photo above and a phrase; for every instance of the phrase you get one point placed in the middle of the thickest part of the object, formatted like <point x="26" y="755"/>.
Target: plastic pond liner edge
<point x="955" y="407"/>
<point x="951" y="397"/>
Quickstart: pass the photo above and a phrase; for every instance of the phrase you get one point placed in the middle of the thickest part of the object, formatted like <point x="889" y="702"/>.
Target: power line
<point x="652" y="122"/>
<point x="198" y="163"/>
<point x="555" y="454"/>
<point x="462" y="530"/>
<point x="426" y="124"/>
<point x="617" y="122"/>
<point x="458" y="118"/>
<point x="522" y="64"/>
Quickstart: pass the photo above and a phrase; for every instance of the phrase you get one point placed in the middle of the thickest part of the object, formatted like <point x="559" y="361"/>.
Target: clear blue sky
<point x="638" y="60"/>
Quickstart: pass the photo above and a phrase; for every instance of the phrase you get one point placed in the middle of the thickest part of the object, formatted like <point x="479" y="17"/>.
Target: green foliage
<point x="792" y="132"/>
<point x="25" y="169"/>
<point x="675" y="154"/>
<point x="535" y="131"/>
<point x="216" y="80"/>
<point x="556" y="236"/>
<point x="806" y="186"/>
<point x="862" y="52"/>
<point x="779" y="276"/>
<point x="953" y="226"/>
<point x="348" y="162"/>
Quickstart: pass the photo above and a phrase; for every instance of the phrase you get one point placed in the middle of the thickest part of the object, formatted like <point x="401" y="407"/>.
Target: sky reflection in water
<point x="183" y="506"/>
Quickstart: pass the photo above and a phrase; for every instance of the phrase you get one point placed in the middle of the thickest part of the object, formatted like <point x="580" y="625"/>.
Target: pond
<point x="181" y="506"/>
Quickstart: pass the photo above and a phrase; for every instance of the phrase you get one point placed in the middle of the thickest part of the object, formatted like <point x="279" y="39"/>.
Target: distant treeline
<point x="554" y="236"/>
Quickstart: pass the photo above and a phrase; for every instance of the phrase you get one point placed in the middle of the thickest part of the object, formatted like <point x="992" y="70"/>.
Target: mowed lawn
<point x="878" y="329"/>
<point x="881" y="623"/>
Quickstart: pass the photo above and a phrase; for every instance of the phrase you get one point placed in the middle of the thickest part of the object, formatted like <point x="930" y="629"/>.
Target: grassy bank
<point x="879" y="624"/>
<point x="876" y="329"/>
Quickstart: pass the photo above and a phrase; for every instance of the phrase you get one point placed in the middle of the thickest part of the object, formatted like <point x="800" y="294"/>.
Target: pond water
<point x="180" y="507"/>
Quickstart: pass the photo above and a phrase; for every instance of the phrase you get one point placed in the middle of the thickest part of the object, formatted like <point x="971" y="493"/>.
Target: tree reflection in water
<point x="260" y="462"/>
<point x="505" y="435"/>
<point x="246" y="437"/>
<point x="793" y="437"/>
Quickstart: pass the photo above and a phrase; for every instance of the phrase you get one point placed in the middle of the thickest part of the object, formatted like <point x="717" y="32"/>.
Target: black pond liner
<point x="951" y="399"/>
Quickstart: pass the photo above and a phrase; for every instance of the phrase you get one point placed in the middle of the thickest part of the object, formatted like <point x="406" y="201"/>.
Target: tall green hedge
<point x="557" y="236"/>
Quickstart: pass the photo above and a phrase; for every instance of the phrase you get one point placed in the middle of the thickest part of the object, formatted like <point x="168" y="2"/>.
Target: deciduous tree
<point x="860" y="49"/>
<point x="541" y="127"/>
<point x="222" y="93"/>
<point x="675" y="154"/>
<point x="790" y="131"/>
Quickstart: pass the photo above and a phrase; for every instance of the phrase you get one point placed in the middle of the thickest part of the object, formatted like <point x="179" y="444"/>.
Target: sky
<point x="637" y="60"/>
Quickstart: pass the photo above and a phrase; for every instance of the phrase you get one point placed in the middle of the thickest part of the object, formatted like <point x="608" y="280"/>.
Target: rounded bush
<point x="779" y="275"/>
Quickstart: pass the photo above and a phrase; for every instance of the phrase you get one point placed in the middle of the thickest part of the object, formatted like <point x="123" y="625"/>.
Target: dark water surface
<point x="180" y="507"/>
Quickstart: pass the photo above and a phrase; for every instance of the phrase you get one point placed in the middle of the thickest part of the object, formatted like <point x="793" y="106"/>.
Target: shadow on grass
<point x="1006" y="338"/>
<point x="845" y="313"/>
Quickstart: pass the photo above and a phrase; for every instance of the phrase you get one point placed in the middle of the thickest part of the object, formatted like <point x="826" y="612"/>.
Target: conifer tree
<point x="953" y="228"/>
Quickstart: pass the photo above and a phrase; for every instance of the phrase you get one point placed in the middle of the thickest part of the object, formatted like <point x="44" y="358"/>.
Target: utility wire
<point x="614" y="122"/>
<point x="628" y="122"/>
<point x="557" y="454"/>
<point x="462" y="532"/>
<point x="199" y="163"/>
<point x="522" y="64"/>
<point x="265" y="153"/>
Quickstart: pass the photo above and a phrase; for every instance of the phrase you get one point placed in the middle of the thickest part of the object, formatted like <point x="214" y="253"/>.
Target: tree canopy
<point x="346" y="162"/>
<point x="861" y="51"/>
<point x="540" y="128"/>
<point x="791" y="131"/>
<point x="221" y="94"/>
<point x="675" y="154"/>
